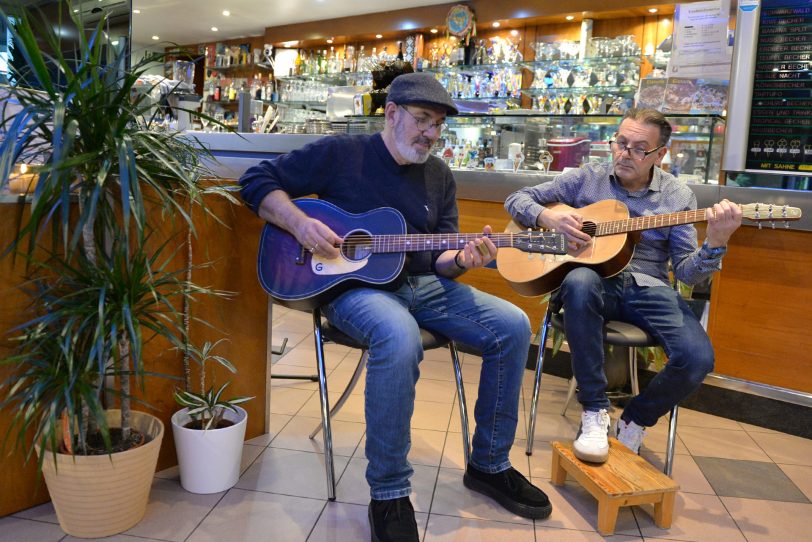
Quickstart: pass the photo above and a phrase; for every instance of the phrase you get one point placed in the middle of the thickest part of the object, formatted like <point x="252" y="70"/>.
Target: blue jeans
<point x="588" y="300"/>
<point x="389" y="323"/>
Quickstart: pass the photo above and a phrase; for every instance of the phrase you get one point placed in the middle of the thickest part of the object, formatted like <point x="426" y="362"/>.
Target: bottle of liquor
<point x="400" y="51"/>
<point x="361" y="64"/>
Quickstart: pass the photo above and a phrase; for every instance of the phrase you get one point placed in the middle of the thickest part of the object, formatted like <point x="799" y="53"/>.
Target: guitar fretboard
<point x="648" y="222"/>
<point x="436" y="241"/>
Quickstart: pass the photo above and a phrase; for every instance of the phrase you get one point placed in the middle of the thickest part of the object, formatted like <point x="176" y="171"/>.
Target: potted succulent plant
<point x="112" y="277"/>
<point x="209" y="431"/>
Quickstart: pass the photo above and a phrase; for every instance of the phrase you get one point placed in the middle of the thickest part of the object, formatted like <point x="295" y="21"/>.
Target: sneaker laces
<point x="594" y="424"/>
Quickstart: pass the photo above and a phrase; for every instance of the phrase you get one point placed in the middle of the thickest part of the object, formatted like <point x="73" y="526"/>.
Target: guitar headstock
<point x="540" y="242"/>
<point x="768" y="212"/>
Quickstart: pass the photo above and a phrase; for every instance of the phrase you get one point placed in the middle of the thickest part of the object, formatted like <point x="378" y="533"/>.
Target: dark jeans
<point x="588" y="300"/>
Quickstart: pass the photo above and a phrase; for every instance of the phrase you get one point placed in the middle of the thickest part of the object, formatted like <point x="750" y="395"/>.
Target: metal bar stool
<point x="326" y="332"/>
<point x="616" y="333"/>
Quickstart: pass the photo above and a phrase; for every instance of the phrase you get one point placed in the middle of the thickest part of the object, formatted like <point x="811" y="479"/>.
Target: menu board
<point x="780" y="136"/>
<point x="683" y="95"/>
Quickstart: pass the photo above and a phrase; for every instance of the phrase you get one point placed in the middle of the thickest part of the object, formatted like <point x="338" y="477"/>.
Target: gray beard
<point x="405" y="150"/>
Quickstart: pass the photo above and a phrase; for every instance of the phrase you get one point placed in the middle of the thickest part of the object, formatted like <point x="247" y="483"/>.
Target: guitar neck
<point x="437" y="241"/>
<point x="640" y="223"/>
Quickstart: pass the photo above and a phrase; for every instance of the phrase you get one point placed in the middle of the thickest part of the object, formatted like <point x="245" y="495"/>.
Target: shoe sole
<point x="523" y="510"/>
<point x="591" y="457"/>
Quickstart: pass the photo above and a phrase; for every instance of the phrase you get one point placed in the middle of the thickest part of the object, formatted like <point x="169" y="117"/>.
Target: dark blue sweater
<point x="358" y="174"/>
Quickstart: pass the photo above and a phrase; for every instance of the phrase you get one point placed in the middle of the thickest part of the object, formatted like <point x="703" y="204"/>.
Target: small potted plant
<point x="209" y="430"/>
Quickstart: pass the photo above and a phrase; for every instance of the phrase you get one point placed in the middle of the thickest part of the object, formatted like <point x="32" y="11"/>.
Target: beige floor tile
<point x="694" y="418"/>
<point x="288" y="400"/>
<point x="785" y="449"/>
<point x="290" y="472"/>
<point x="114" y="538"/>
<point x="254" y="515"/>
<point x="439" y="369"/>
<point x="438" y="391"/>
<point x="305" y="356"/>
<point x="457" y="529"/>
<point x="276" y="422"/>
<point x="544" y="533"/>
<point x="768" y="521"/>
<point x="554" y="426"/>
<point x="452" y="498"/>
<point x="756" y="428"/>
<point x="17" y="529"/>
<point x="685" y="472"/>
<point x="173" y="513"/>
<point x="455" y="423"/>
<point x="295" y="436"/>
<point x="295" y="338"/>
<point x="353" y="487"/>
<point x="342" y="522"/>
<point x="801" y="476"/>
<point x="471" y="372"/>
<point x="541" y="461"/>
<point x="697" y="518"/>
<point x="453" y="457"/>
<point x="725" y="443"/>
<point x="431" y="415"/>
<point x="575" y="508"/>
<point x="352" y="410"/>
<point x="427" y="447"/>
<point x="249" y="454"/>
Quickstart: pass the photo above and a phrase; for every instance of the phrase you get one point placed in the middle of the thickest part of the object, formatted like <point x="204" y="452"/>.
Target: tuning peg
<point x="760" y="225"/>
<point x="772" y="224"/>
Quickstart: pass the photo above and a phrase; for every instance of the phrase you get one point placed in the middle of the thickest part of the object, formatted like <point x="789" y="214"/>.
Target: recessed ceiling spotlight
<point x="514" y="32"/>
<point x="214" y="29"/>
<point x="136" y="11"/>
<point x="379" y="36"/>
<point x="156" y="38"/>
<point x="496" y="24"/>
<point x="569" y="17"/>
<point x="653" y="10"/>
<point x="226" y="13"/>
<point x="433" y="30"/>
<point x="330" y="40"/>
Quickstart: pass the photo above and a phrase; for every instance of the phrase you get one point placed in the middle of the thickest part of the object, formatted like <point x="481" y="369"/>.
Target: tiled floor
<point x="738" y="482"/>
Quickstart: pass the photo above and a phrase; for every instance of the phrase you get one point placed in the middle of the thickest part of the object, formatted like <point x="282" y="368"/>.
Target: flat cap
<point x="420" y="88"/>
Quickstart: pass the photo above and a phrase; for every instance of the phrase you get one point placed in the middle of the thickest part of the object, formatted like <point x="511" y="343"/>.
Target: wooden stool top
<point x="624" y="473"/>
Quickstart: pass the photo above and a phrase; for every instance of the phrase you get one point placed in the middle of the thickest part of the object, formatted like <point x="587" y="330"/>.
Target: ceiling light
<point x="114" y="42"/>
<point x="136" y="11"/>
<point x="514" y="32"/>
<point x="226" y="13"/>
<point x="379" y="36"/>
<point x="496" y="24"/>
<point x="214" y="29"/>
<point x="433" y="30"/>
<point x="653" y="10"/>
<point x="330" y="41"/>
<point x="156" y="38"/>
<point x="569" y="17"/>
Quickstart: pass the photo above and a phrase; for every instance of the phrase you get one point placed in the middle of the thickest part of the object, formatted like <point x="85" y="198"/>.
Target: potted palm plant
<point x="112" y="195"/>
<point x="209" y="431"/>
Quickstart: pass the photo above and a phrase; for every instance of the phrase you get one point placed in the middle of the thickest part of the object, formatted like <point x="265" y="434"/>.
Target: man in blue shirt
<point x="395" y="168"/>
<point x="640" y="294"/>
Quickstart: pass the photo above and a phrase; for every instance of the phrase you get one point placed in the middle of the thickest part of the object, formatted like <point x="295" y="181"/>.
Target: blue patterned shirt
<point x="664" y="194"/>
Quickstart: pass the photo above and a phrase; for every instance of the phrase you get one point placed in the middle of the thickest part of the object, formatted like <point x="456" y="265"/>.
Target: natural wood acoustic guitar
<point x="614" y="235"/>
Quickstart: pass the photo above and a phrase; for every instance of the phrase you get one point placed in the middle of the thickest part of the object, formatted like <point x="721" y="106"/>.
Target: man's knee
<point x="581" y="286"/>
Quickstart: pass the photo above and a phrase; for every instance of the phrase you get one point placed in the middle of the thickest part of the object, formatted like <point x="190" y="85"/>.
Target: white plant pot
<point x="209" y="460"/>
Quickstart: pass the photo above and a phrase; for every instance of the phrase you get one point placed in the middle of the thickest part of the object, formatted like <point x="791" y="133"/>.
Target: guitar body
<point x="295" y="278"/>
<point x="538" y="274"/>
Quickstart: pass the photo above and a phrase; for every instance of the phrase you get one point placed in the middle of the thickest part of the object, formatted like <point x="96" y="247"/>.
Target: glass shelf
<point x="328" y="77"/>
<point x="625" y="89"/>
<point x="236" y="67"/>
<point x="588" y="61"/>
<point x="474" y="68"/>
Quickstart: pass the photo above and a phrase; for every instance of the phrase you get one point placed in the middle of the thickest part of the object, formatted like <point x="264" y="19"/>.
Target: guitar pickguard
<point x="335" y="266"/>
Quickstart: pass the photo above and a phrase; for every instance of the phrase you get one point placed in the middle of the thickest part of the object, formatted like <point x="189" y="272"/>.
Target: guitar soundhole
<point x="589" y="228"/>
<point x="357" y="245"/>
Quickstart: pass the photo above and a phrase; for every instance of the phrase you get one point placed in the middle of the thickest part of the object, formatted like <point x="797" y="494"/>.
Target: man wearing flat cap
<point x="395" y="168"/>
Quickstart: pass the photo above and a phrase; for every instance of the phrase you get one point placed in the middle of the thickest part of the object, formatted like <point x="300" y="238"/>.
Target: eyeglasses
<point x="636" y="154"/>
<point x="425" y="124"/>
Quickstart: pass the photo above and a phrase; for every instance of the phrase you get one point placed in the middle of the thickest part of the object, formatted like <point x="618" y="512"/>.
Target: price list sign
<point x="780" y="138"/>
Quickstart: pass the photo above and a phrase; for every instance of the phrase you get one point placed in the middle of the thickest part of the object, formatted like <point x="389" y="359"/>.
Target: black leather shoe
<point x="393" y="521"/>
<point x="510" y="489"/>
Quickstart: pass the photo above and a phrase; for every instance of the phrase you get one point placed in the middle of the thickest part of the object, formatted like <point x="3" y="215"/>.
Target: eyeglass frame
<point x="646" y="154"/>
<point x="417" y="122"/>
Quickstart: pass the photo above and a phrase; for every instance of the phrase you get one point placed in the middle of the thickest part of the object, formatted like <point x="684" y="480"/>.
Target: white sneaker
<point x="592" y="443"/>
<point x="630" y="435"/>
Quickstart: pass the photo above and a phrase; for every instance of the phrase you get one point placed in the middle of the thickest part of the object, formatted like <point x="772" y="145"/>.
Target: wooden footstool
<point x="625" y="479"/>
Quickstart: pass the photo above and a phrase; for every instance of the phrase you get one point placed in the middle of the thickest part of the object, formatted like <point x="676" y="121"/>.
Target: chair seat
<point x="616" y="333"/>
<point x="331" y="333"/>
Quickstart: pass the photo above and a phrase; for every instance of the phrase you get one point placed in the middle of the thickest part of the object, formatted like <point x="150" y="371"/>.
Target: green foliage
<point x="110" y="280"/>
<point x="208" y="406"/>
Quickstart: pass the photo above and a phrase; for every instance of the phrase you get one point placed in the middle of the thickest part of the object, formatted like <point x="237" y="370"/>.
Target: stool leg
<point x="608" y="509"/>
<point x="325" y="407"/>
<point x="466" y="440"/>
<point x="362" y="361"/>
<point x="664" y="510"/>
<point x="531" y="428"/>
<point x="570" y="395"/>
<point x="633" y="371"/>
<point x="672" y="441"/>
